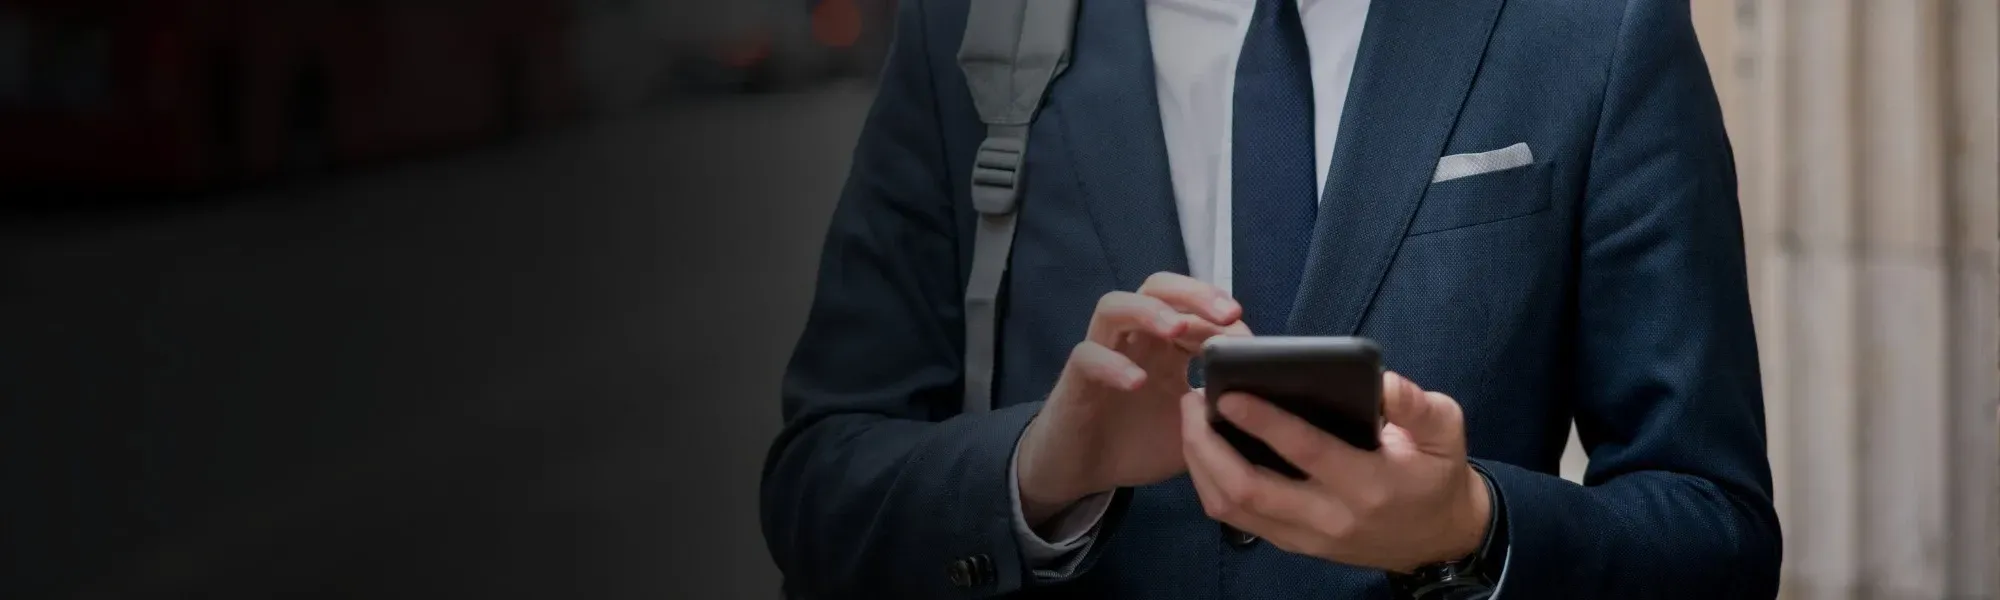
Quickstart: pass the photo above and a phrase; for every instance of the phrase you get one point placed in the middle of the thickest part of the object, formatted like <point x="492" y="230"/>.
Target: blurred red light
<point x="836" y="23"/>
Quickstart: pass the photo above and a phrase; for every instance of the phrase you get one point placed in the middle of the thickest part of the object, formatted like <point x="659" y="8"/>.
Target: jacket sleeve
<point x="875" y="487"/>
<point x="1677" y="499"/>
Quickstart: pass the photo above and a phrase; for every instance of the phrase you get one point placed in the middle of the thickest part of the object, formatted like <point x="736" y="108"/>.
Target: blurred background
<point x="1865" y="144"/>
<point x="445" y="298"/>
<point x="407" y="298"/>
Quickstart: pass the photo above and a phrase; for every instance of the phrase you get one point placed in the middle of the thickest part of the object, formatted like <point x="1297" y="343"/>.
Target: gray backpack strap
<point x="1011" y="52"/>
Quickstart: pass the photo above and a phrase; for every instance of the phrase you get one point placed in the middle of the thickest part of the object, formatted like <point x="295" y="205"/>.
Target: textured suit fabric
<point x="1603" y="283"/>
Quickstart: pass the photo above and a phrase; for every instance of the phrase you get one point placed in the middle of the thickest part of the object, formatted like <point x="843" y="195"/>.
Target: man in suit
<point x="1530" y="205"/>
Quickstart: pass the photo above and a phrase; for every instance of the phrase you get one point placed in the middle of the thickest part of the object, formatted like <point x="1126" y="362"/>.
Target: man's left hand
<point x="1416" y="501"/>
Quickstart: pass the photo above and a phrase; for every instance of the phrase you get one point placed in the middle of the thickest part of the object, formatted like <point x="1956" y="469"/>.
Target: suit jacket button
<point x="982" y="570"/>
<point x="960" y="573"/>
<point x="1237" y="537"/>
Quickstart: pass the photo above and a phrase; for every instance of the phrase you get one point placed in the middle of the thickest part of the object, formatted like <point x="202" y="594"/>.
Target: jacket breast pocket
<point x="1484" y="198"/>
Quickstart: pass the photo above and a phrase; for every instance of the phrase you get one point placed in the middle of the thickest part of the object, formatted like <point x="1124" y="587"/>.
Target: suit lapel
<point x="1416" y="64"/>
<point x="1108" y="110"/>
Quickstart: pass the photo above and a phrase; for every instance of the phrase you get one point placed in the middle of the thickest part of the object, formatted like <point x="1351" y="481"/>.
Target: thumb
<point x="1432" y="420"/>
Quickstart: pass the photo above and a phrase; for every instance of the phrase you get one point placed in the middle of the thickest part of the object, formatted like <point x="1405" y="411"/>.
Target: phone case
<point x="1334" y="383"/>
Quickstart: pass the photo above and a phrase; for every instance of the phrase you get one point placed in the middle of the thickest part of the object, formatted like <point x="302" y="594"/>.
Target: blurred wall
<point x="1865" y="135"/>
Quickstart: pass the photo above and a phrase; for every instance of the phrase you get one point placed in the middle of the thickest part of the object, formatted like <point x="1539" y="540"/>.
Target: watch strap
<point x="1469" y="578"/>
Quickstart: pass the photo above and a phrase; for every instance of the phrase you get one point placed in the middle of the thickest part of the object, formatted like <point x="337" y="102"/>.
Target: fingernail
<point x="1231" y="406"/>
<point x="1165" y="320"/>
<point x="1224" y="305"/>
<point x="1133" y="375"/>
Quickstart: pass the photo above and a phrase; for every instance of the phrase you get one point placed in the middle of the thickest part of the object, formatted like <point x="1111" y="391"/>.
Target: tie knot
<point x="1274" y="8"/>
<point x="1276" y="19"/>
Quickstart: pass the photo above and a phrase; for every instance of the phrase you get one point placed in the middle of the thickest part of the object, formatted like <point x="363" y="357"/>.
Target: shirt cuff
<point x="1074" y="529"/>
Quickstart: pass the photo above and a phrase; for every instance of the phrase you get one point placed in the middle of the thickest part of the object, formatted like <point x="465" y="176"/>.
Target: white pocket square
<point x="1467" y="165"/>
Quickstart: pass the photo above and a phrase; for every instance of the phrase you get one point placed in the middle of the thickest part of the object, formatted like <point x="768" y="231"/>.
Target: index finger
<point x="1321" y="455"/>
<point x="1192" y="296"/>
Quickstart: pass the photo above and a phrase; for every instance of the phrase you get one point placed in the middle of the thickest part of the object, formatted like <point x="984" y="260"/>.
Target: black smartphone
<point x="1334" y="383"/>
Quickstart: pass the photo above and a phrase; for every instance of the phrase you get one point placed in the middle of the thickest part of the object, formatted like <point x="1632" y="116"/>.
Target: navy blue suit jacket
<point x="1604" y="283"/>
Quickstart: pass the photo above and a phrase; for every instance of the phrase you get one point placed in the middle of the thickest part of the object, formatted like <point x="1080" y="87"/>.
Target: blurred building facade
<point x="1865" y="144"/>
<point x="1865" y="135"/>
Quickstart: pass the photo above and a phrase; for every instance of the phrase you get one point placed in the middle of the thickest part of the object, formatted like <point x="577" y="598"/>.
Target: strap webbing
<point x="1012" y="50"/>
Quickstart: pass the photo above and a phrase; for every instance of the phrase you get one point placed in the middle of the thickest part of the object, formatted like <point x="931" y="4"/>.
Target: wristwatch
<point x="1469" y="578"/>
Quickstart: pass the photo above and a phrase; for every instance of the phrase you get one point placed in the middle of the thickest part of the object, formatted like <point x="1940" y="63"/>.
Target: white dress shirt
<point x="1195" y="45"/>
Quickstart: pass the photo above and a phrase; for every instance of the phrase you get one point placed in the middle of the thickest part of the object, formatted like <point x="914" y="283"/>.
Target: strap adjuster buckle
<point x="996" y="171"/>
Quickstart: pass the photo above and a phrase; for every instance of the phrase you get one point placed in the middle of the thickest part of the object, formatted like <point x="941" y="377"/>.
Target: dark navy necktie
<point x="1273" y="194"/>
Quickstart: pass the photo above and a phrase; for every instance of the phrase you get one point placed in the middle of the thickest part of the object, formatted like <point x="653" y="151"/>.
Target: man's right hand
<point x="1113" y="419"/>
